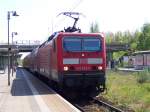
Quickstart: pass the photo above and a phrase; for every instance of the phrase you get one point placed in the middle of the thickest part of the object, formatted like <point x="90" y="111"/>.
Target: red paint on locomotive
<point x="72" y="60"/>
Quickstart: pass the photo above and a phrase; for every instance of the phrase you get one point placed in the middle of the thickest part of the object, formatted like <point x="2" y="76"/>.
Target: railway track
<point x="108" y="106"/>
<point x="95" y="105"/>
<point x="90" y="104"/>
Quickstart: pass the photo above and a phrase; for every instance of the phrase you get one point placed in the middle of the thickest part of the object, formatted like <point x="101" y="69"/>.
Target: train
<point x="74" y="61"/>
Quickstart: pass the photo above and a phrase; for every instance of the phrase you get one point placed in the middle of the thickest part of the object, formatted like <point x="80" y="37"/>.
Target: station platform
<point x="26" y="93"/>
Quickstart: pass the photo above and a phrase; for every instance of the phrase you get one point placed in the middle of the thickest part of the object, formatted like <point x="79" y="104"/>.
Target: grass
<point x="125" y="90"/>
<point x="144" y="76"/>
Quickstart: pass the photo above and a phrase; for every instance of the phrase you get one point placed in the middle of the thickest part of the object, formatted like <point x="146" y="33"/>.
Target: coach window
<point x="54" y="46"/>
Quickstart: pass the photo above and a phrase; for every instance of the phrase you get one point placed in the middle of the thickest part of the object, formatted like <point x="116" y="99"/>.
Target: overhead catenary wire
<point x="61" y="20"/>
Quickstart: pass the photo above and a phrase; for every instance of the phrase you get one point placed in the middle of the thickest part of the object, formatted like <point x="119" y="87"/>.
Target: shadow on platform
<point x="20" y="87"/>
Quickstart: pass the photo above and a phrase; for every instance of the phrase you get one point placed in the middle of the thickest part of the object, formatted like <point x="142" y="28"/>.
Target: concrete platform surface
<point x="28" y="94"/>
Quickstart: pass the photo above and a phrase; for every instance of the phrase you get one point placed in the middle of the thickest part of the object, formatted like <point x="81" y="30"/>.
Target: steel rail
<point x="108" y="106"/>
<point x="78" y="107"/>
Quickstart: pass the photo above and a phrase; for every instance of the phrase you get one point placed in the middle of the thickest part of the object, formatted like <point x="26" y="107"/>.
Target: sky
<point x="38" y="18"/>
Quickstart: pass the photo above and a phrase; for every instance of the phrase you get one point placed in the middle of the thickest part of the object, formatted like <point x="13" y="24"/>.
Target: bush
<point x="143" y="76"/>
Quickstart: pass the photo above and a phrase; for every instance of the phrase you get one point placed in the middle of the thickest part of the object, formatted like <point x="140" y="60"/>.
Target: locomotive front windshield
<point x="87" y="44"/>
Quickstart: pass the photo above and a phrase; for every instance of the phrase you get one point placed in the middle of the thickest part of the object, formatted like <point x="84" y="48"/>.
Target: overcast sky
<point x="38" y="19"/>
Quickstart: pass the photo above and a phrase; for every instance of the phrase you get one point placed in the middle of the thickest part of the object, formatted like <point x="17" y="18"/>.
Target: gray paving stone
<point x="28" y="94"/>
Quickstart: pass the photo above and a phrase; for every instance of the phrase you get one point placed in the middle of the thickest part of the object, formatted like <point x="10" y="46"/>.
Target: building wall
<point x="142" y="60"/>
<point x="3" y="62"/>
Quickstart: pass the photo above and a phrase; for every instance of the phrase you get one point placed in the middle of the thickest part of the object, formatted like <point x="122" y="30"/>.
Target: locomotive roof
<point x="56" y="34"/>
<point x="78" y="34"/>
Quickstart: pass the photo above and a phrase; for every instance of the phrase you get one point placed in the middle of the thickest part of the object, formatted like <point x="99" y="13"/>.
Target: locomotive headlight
<point x="100" y="67"/>
<point x="66" y="68"/>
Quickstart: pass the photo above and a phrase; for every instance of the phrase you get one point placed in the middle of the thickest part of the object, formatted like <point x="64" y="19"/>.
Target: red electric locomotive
<point x="76" y="61"/>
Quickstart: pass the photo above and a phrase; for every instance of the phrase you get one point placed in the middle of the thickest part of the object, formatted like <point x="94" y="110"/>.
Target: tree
<point x="118" y="37"/>
<point x="134" y="40"/>
<point x="94" y="28"/>
<point x="144" y="38"/>
<point x="109" y="37"/>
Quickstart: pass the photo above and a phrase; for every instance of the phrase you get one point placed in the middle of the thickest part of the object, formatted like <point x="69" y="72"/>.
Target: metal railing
<point x="24" y="42"/>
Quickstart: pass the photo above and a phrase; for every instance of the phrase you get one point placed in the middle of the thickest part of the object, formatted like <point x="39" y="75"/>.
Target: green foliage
<point x="141" y="42"/>
<point x="127" y="37"/>
<point x="124" y="91"/>
<point x="143" y="76"/>
<point x="122" y="37"/>
<point x="117" y="55"/>
<point x="118" y="37"/>
<point x="144" y="38"/>
<point x="138" y="40"/>
<point x="94" y="28"/>
<point x="133" y="45"/>
<point x="109" y="37"/>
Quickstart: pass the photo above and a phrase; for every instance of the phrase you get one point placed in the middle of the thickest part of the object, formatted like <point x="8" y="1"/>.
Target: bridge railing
<point x="28" y="42"/>
<point x="23" y="42"/>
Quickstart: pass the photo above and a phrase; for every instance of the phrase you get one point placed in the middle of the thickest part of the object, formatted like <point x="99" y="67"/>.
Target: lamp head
<point x="14" y="13"/>
<point x="14" y="33"/>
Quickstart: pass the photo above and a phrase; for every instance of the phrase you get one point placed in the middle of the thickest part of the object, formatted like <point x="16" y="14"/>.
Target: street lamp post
<point x="13" y="53"/>
<point x="12" y="35"/>
<point x="8" y="19"/>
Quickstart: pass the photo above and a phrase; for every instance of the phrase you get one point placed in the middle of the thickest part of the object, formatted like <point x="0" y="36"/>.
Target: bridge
<point x="115" y="47"/>
<point x="28" y="46"/>
<point x="20" y="46"/>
